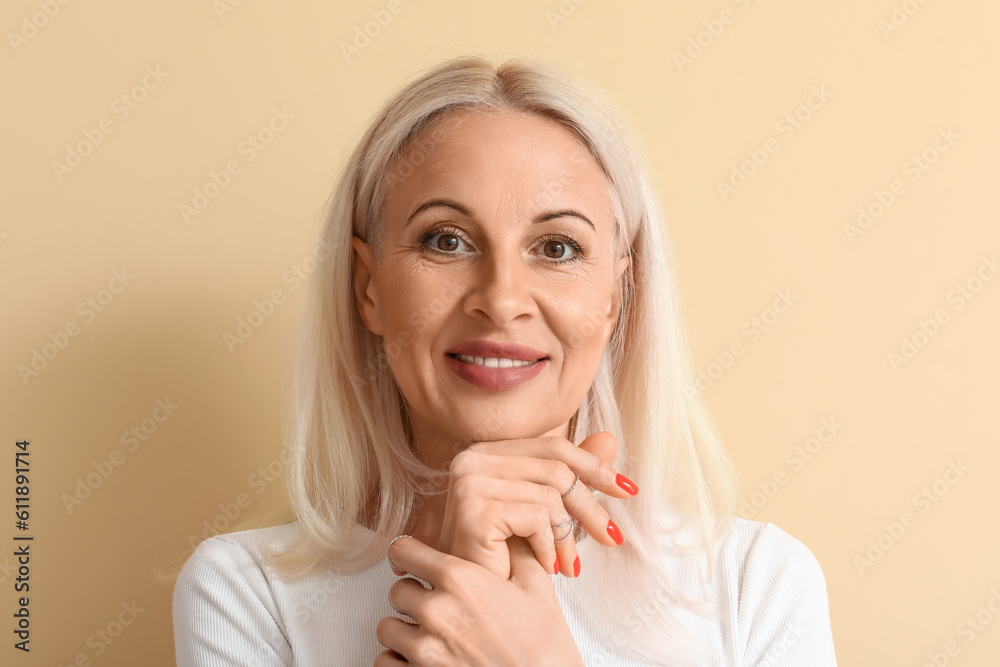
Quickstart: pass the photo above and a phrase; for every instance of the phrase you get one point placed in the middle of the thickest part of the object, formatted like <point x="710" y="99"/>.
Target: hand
<point x="470" y="617"/>
<point x="514" y="488"/>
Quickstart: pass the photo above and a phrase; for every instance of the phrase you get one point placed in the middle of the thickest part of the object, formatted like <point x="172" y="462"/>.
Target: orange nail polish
<point x="626" y="484"/>
<point x="615" y="533"/>
<point x="556" y="566"/>
<point x="576" y="567"/>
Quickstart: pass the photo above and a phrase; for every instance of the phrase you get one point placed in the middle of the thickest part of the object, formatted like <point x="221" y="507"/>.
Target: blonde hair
<point x="348" y="431"/>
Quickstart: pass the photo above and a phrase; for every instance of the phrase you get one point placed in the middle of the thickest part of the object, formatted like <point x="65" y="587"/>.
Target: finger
<point x="595" y="454"/>
<point x="525" y="570"/>
<point x="424" y="562"/>
<point x="389" y="658"/>
<point x="528" y="479"/>
<point x="408" y="596"/>
<point x="510" y="507"/>
<point x="533" y="523"/>
<point x="564" y="540"/>
<point x="397" y="636"/>
<point x="593" y="518"/>
<point x="392" y="566"/>
<point x="603" y="446"/>
<point x="594" y="471"/>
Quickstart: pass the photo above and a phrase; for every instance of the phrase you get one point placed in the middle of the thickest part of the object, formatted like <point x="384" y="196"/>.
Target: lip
<point x="497" y="379"/>
<point x="489" y="348"/>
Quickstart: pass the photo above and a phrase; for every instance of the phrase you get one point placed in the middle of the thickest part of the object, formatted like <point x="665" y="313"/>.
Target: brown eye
<point x="442" y="241"/>
<point x="557" y="250"/>
<point x="447" y="242"/>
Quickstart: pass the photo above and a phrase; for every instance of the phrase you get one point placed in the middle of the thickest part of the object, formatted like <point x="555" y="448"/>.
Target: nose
<point x="501" y="288"/>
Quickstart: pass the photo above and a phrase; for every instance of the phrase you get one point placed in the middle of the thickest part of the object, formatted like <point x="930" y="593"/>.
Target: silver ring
<point x="560" y="525"/>
<point x="390" y="558"/>
<point x="571" y="487"/>
<point x="564" y="537"/>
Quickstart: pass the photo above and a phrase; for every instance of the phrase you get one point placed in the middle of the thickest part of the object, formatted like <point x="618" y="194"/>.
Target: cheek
<point x="583" y="326"/>
<point x="416" y="307"/>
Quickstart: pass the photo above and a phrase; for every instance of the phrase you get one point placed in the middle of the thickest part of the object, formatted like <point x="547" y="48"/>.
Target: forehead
<point x="518" y="154"/>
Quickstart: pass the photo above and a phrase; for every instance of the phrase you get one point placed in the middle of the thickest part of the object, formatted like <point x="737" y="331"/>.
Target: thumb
<point x="603" y="445"/>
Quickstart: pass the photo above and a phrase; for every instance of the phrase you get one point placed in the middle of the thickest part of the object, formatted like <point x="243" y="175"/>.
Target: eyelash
<point x="431" y="233"/>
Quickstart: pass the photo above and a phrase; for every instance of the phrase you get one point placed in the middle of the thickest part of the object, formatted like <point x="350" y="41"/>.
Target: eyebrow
<point x="542" y="217"/>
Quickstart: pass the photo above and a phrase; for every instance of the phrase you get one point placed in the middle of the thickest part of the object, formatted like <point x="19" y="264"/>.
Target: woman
<point x="493" y="399"/>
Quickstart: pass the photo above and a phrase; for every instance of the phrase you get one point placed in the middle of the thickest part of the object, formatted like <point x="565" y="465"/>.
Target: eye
<point x="441" y="240"/>
<point x="447" y="241"/>
<point x="558" y="249"/>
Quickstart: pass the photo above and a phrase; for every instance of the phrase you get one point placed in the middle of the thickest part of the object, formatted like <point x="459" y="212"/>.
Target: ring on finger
<point x="573" y="486"/>
<point x="568" y="532"/>
<point x="390" y="557"/>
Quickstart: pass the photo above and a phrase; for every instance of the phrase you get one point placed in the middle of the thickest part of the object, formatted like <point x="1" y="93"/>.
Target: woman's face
<point x="498" y="230"/>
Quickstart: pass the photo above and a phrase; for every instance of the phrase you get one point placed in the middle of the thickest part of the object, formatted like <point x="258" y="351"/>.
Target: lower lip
<point x="495" y="378"/>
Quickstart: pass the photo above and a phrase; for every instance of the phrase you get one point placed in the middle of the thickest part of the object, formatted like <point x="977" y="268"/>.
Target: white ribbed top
<point x="230" y="609"/>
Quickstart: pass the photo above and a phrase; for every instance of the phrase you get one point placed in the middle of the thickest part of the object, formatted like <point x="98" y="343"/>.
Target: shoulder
<point x="251" y="540"/>
<point x="783" y="608"/>
<point x="230" y="559"/>
<point x="224" y="603"/>
<point x="767" y="555"/>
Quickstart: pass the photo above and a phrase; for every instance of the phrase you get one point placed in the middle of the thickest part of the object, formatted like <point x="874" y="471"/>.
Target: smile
<point x="496" y="373"/>
<point x="494" y="362"/>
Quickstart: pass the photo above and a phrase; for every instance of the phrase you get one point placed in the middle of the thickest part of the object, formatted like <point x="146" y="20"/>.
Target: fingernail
<point x="615" y="533"/>
<point x="626" y="484"/>
<point x="576" y="567"/>
<point x="398" y="571"/>
<point x="556" y="566"/>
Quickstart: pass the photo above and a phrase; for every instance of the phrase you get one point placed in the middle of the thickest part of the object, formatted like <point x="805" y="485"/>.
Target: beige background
<point x="894" y="77"/>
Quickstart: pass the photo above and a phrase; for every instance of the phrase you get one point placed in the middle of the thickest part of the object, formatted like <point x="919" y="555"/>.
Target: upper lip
<point x="489" y="348"/>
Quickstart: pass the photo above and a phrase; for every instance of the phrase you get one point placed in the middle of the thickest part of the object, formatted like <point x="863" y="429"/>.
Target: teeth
<point x="494" y="362"/>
